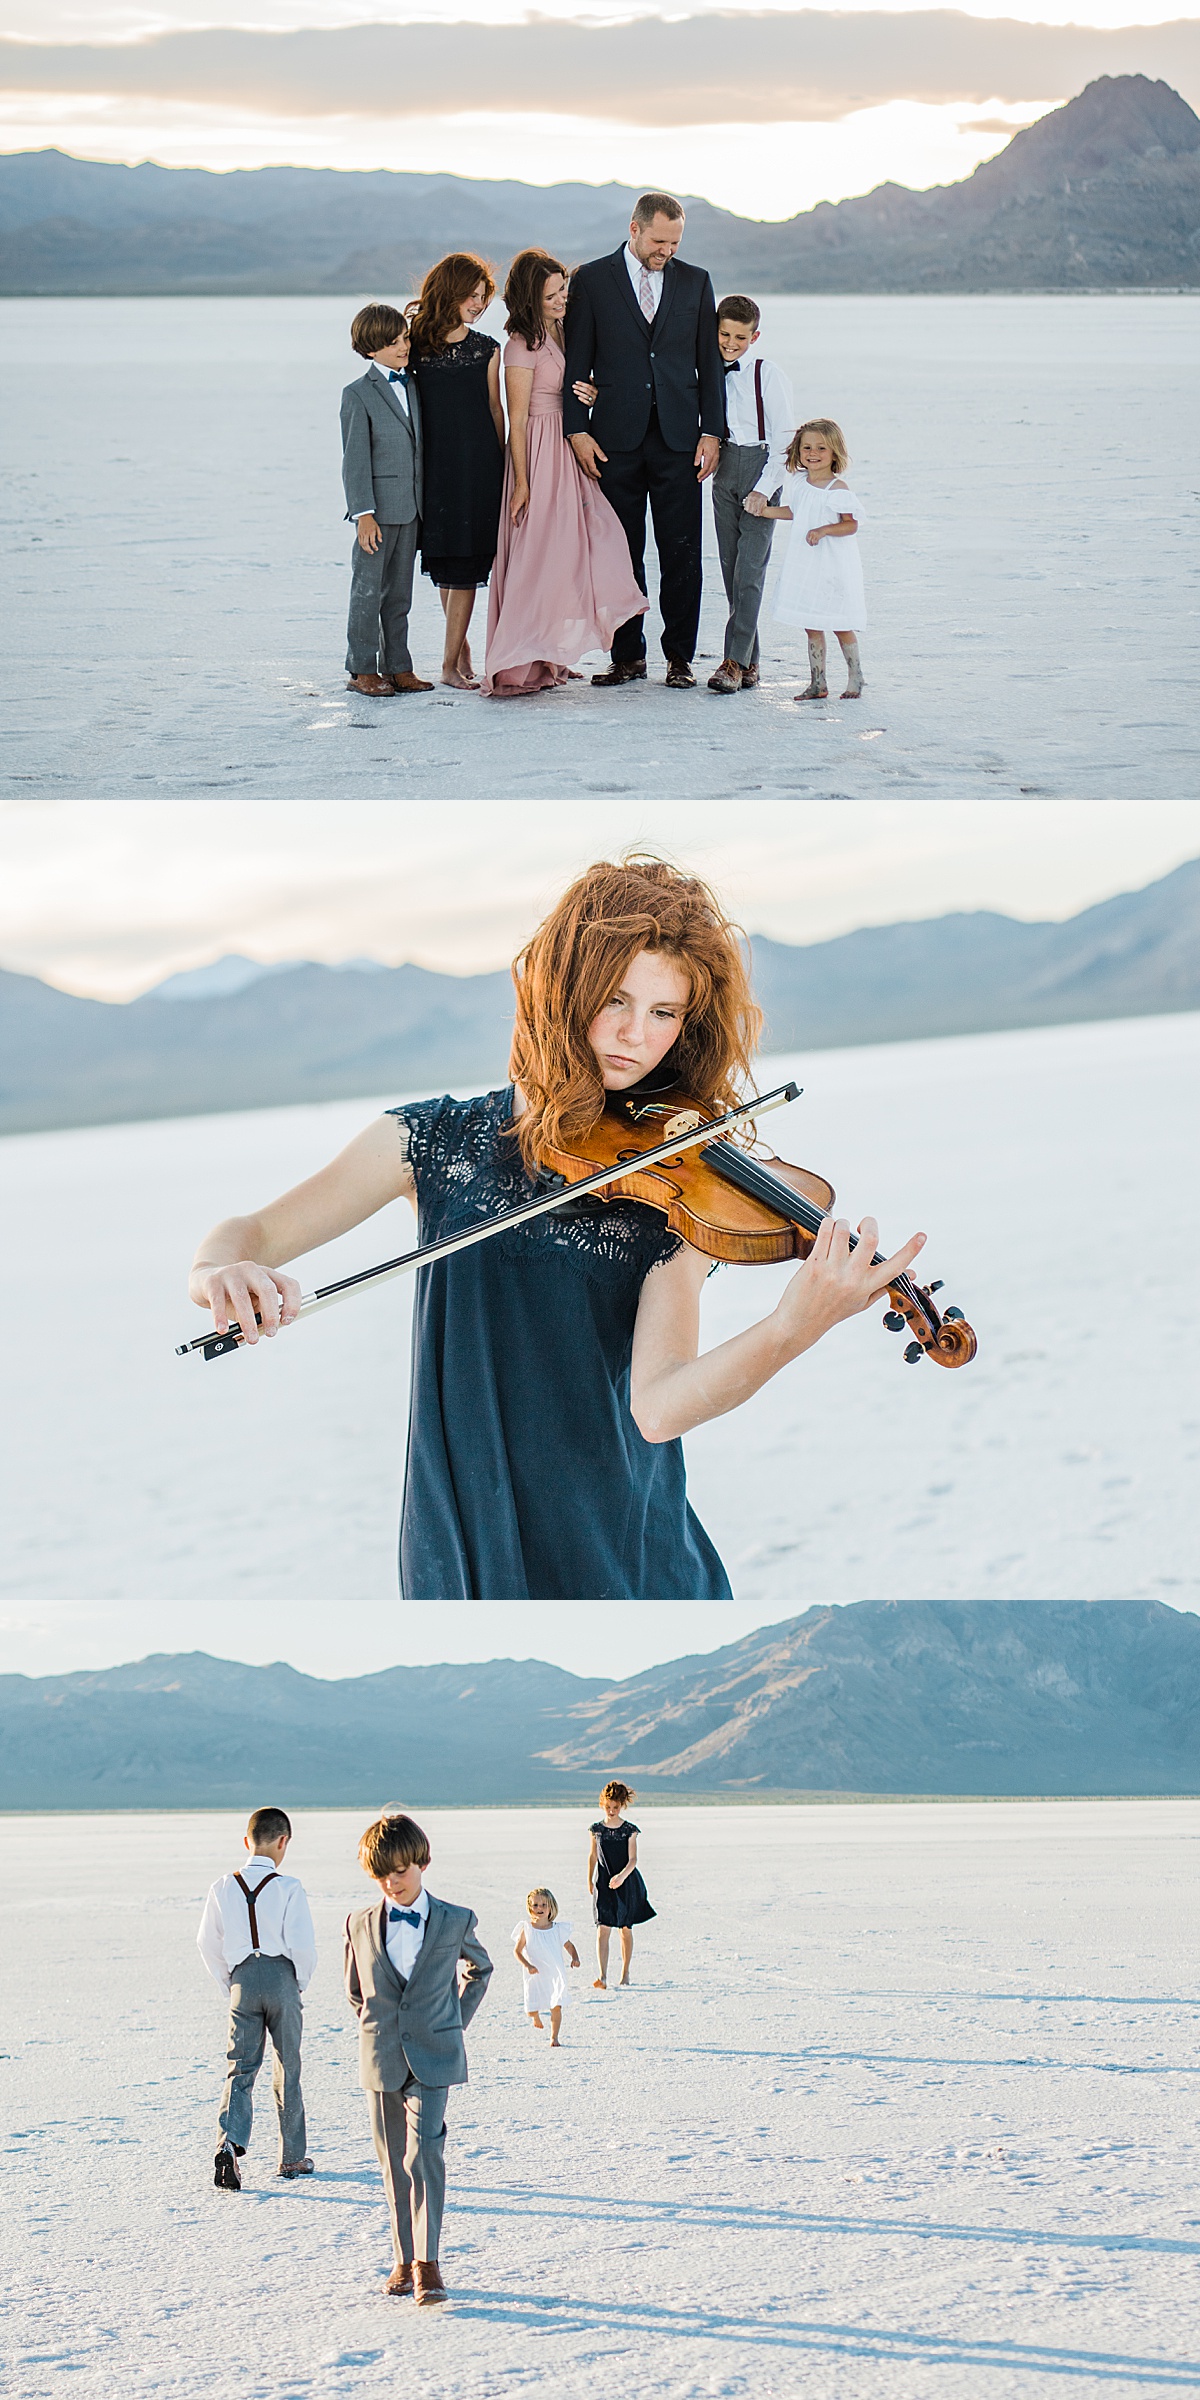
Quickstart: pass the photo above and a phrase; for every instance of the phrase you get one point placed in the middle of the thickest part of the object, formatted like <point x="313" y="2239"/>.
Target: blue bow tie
<point x="397" y="374"/>
<point x="403" y="1916"/>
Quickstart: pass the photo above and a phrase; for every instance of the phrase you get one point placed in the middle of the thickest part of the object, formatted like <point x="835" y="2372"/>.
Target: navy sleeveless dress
<point x="526" y="1477"/>
<point x="630" y="1903"/>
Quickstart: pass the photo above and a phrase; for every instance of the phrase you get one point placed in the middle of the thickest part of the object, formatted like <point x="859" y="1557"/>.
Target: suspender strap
<point x="253" y="1893"/>
<point x="758" y="400"/>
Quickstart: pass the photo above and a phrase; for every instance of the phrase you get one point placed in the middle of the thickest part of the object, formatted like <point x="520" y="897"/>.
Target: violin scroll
<point x="940" y="1334"/>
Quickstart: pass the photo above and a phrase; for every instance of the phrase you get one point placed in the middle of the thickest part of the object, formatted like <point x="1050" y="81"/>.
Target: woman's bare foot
<point x="623" y="1985"/>
<point x="457" y="681"/>
<point x="556" y="2044"/>
<point x="814" y="691"/>
<point x="600" y="1985"/>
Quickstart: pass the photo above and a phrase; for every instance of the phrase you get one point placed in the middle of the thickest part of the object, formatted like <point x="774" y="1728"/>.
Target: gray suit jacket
<point x="414" y="2028"/>
<point x="382" y="450"/>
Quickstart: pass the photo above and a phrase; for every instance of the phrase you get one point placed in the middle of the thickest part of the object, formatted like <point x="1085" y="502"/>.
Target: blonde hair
<point x="542" y="1891"/>
<point x="828" y="432"/>
<point x="390" y="1845"/>
<point x="617" y="1795"/>
<point x="573" y="965"/>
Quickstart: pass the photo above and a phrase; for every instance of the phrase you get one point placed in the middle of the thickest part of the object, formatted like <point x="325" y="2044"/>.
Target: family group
<point x="627" y="387"/>
<point x="415" y="1972"/>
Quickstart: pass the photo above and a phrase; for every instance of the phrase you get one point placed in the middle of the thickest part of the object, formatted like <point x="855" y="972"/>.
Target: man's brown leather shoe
<point x="630" y="670"/>
<point x="408" y="682"/>
<point x="400" y="2282"/>
<point x="679" y="675"/>
<point x="372" y="687"/>
<point x="427" y="2276"/>
<point x="728" y="677"/>
<point x="749" y="678"/>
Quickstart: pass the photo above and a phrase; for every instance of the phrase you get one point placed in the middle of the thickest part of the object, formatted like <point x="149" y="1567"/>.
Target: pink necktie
<point x="646" y="296"/>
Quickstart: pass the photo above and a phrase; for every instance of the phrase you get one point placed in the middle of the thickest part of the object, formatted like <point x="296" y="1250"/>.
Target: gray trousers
<point x="265" y="1999"/>
<point x="743" y="544"/>
<point x="381" y="583"/>
<point x="409" y="2127"/>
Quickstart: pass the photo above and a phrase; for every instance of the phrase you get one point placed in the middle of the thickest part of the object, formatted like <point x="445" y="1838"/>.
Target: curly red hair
<point x="575" y="962"/>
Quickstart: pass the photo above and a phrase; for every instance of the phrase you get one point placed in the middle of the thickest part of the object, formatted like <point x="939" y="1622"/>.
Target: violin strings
<point x="752" y="1177"/>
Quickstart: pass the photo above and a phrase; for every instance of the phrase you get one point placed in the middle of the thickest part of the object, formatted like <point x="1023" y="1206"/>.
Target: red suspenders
<point x="251" y="1896"/>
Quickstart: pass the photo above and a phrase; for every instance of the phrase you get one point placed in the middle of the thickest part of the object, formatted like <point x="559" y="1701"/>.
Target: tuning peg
<point x="955" y="1315"/>
<point x="913" y="1352"/>
<point x="893" y="1320"/>
<point x="935" y="1287"/>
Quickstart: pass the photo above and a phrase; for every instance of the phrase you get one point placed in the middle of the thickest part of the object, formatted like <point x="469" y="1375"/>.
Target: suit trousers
<point x="743" y="545"/>
<point x="409" y="2127"/>
<point x="667" y="479"/>
<point x="381" y="583"/>
<point x="264" y="1999"/>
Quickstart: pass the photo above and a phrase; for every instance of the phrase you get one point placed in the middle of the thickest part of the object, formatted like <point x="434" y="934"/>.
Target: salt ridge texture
<point x="178" y="570"/>
<point x="901" y="2103"/>
<point x="164" y="1504"/>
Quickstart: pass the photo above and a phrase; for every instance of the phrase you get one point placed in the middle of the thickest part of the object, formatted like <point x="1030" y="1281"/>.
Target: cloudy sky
<point x="108" y="898"/>
<point x="765" y="110"/>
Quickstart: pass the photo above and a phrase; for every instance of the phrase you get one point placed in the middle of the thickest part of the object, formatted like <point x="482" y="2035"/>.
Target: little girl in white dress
<point x="820" y="583"/>
<point x="542" y="1945"/>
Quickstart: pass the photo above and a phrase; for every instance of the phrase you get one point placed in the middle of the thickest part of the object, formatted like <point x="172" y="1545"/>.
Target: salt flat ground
<point x="161" y="1504"/>
<point x="177" y="569"/>
<point x="913" y="2114"/>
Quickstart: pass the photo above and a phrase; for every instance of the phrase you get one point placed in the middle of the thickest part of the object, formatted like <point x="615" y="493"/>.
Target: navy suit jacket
<point x="674" y="364"/>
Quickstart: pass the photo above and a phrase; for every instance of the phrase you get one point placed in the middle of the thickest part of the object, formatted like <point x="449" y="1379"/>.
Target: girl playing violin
<point x="556" y="1366"/>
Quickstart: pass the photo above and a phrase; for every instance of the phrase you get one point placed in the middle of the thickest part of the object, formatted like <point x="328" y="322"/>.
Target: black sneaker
<point x="226" y="2173"/>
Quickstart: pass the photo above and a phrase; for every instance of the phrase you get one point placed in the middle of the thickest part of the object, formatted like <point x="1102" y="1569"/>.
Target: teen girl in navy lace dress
<point x="556" y="1367"/>
<point x="458" y="378"/>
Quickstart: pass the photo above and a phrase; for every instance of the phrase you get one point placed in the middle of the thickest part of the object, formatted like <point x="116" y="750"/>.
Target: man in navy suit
<point x="642" y="326"/>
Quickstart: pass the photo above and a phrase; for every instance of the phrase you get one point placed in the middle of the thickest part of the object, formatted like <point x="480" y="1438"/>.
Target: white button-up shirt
<point x="636" y="272"/>
<point x="779" y="415"/>
<point x="398" y="390"/>
<point x="285" y="1926"/>
<point x="404" y="1941"/>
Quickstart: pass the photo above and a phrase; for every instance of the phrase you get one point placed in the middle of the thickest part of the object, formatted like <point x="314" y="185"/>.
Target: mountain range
<point x="985" y="1697"/>
<point x="1103" y="193"/>
<point x="303" y="1032"/>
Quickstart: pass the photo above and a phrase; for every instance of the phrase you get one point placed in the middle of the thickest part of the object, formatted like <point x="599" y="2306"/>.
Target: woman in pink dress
<point x="562" y="581"/>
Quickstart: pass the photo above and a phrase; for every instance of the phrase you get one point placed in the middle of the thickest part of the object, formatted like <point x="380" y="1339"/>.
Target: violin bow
<point x="219" y="1345"/>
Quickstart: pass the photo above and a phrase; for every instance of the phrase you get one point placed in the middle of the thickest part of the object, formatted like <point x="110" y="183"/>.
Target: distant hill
<point x="971" y="1697"/>
<point x="1103" y="193"/>
<point x="320" y="1033"/>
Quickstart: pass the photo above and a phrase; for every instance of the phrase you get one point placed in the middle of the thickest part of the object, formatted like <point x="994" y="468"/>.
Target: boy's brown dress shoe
<point x="679" y="675"/>
<point x="400" y="2282"/>
<point x="427" y="2277"/>
<point x="630" y="670"/>
<point x="372" y="687"/>
<point x="408" y="682"/>
<point x="728" y="677"/>
<point x="297" y="2166"/>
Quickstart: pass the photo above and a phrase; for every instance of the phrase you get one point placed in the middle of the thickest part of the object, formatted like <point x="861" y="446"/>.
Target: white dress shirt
<point x="285" y="1926"/>
<point x="398" y="390"/>
<point x="779" y="415"/>
<point x="404" y="1941"/>
<point x="636" y="272"/>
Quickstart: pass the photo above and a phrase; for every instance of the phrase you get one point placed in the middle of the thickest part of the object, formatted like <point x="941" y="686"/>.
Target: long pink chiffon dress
<point x="562" y="582"/>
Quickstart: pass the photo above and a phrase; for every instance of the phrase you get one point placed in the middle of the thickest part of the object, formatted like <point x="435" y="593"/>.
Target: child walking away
<point x="543" y="1948"/>
<point x="760" y="414"/>
<point x="256" y="1939"/>
<point x="403" y="1983"/>
<point x="614" y="1880"/>
<point x="820" y="583"/>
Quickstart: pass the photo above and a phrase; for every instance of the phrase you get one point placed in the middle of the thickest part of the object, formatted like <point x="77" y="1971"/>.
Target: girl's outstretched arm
<point x="673" y="1387"/>
<point x="756" y="504"/>
<point x="234" y="1270"/>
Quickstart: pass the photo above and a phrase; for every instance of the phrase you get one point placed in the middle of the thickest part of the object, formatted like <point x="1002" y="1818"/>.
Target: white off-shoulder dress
<point x="545" y="1948"/>
<point x="820" y="584"/>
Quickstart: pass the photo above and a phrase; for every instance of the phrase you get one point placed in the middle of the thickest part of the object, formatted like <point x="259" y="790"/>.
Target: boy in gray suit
<point x="403" y="1983"/>
<point x="381" y="471"/>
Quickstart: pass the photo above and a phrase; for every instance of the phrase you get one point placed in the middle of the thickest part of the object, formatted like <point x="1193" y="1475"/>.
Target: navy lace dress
<point x="526" y="1477"/>
<point x="464" y="463"/>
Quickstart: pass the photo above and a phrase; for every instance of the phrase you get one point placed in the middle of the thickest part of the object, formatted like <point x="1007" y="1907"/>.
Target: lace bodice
<point x="474" y="350"/>
<point x="467" y="1168"/>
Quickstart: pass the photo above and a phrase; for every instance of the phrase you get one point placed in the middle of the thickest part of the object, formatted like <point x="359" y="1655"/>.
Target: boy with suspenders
<point x="761" y="418"/>
<point x="256" y="1939"/>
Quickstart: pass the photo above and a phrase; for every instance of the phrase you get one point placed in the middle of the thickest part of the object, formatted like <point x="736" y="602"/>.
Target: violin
<point x="671" y="1153"/>
<point x="731" y="1205"/>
